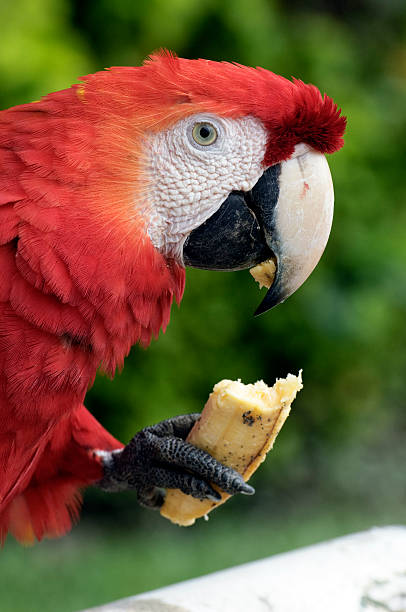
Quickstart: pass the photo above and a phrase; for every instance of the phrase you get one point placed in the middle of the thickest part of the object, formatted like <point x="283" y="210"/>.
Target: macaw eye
<point x="204" y="134"/>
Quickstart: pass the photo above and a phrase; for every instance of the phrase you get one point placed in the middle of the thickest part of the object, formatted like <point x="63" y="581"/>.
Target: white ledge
<point x="363" y="572"/>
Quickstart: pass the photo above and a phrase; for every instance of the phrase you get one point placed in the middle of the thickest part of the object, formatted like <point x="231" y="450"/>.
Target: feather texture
<point x="80" y="284"/>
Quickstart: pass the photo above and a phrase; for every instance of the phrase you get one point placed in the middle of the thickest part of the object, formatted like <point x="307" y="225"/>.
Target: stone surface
<point x="364" y="572"/>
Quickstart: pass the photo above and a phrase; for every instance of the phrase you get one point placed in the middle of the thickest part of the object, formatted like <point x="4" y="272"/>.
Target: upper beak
<point x="286" y="216"/>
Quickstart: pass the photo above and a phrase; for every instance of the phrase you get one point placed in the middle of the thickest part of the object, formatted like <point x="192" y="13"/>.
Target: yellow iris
<point x="204" y="134"/>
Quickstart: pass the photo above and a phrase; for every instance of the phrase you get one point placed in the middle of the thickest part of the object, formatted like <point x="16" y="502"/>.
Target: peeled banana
<point x="238" y="426"/>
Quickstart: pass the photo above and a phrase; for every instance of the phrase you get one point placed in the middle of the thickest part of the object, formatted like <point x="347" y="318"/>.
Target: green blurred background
<point x="339" y="463"/>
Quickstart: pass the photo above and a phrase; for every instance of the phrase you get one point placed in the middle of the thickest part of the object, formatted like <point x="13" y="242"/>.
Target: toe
<point x="185" y="456"/>
<point x="187" y="483"/>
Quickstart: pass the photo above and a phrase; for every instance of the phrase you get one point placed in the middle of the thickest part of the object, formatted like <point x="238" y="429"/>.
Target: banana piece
<point x="264" y="273"/>
<point x="238" y="426"/>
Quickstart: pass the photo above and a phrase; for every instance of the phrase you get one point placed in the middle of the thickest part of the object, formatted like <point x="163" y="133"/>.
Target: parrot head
<point x="234" y="166"/>
<point x="125" y="178"/>
<point x="232" y="163"/>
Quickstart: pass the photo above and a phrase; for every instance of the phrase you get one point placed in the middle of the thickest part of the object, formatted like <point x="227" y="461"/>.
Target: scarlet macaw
<point x="107" y="190"/>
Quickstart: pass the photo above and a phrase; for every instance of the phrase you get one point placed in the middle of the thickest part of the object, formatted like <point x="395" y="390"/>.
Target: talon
<point x="246" y="489"/>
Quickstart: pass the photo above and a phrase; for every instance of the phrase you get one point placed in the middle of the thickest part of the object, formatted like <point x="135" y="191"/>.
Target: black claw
<point x="214" y="498"/>
<point x="247" y="490"/>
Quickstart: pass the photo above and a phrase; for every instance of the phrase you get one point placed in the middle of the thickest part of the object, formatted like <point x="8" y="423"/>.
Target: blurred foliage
<point x="344" y="442"/>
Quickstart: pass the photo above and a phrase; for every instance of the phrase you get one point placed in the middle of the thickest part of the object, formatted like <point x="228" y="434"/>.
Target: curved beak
<point x="300" y="226"/>
<point x="287" y="216"/>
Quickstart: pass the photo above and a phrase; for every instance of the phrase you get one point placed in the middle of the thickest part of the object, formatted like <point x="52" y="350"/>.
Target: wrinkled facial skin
<point x="189" y="182"/>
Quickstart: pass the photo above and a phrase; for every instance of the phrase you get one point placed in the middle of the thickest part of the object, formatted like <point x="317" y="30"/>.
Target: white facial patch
<point x="189" y="181"/>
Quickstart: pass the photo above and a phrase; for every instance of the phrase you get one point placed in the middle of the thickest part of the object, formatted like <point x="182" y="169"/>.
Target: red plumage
<point x="80" y="281"/>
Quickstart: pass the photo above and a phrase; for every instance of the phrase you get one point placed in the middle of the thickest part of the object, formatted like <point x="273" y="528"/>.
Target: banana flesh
<point x="264" y="273"/>
<point x="238" y="426"/>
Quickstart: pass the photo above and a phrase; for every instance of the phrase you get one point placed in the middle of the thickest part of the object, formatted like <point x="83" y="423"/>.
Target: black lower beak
<point x="233" y="238"/>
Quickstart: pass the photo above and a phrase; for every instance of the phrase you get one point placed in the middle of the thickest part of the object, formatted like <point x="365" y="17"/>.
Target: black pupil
<point x="204" y="131"/>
